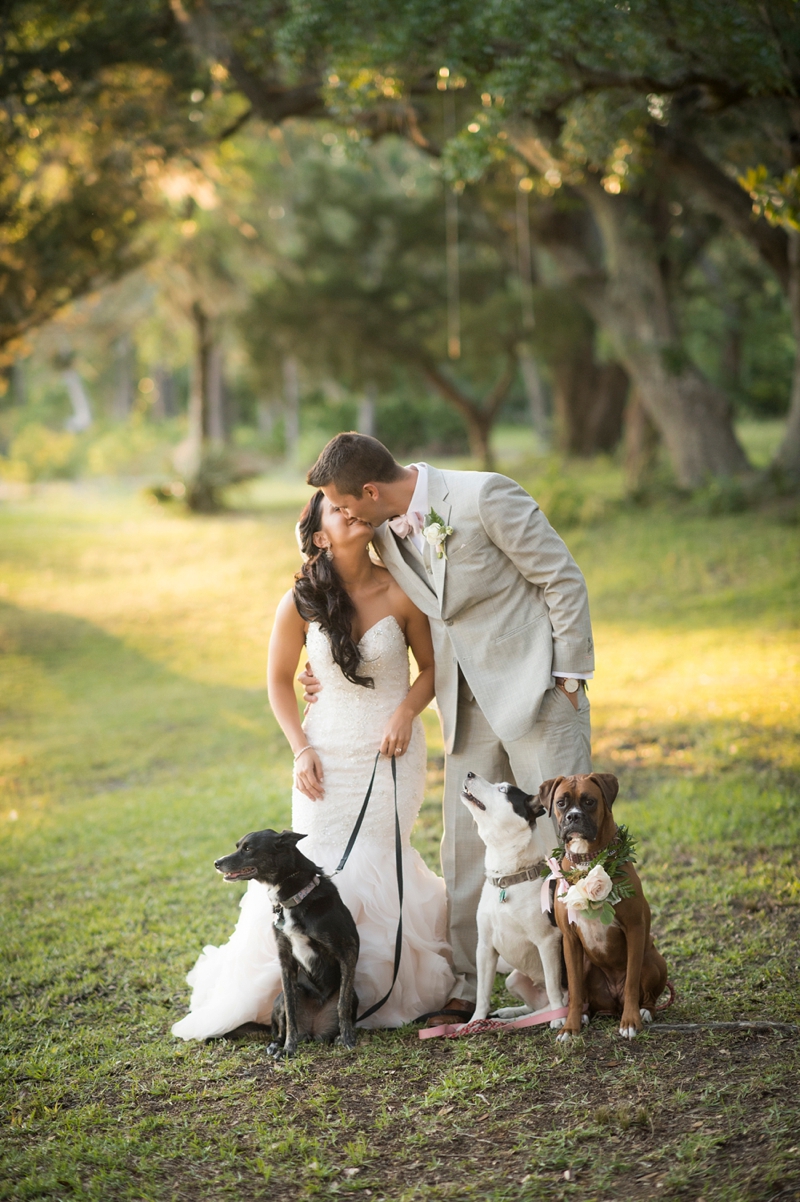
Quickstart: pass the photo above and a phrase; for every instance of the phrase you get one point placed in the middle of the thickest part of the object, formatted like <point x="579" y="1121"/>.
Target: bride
<point x="357" y="625"/>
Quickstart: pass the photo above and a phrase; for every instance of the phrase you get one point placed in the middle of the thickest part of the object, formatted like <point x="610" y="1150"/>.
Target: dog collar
<point x="531" y="873"/>
<point x="297" y="898"/>
<point x="586" y="857"/>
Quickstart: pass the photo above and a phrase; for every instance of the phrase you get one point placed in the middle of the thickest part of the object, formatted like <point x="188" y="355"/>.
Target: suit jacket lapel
<point x="438" y="499"/>
<point x="406" y="575"/>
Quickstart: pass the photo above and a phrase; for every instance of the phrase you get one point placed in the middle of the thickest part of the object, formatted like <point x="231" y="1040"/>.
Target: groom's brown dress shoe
<point x="461" y="1013"/>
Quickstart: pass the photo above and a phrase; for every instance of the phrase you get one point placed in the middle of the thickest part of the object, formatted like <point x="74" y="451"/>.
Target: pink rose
<point x="597" y="884"/>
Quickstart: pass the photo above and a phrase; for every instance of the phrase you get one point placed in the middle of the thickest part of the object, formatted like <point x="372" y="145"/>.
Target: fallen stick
<point x="759" y="1025"/>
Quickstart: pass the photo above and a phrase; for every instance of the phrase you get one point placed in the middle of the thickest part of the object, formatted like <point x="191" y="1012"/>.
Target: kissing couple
<point x="475" y="581"/>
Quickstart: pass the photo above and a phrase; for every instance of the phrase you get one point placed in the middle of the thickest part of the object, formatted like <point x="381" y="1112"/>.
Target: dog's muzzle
<point x="236" y="874"/>
<point x="465" y="793"/>
<point x="576" y="823"/>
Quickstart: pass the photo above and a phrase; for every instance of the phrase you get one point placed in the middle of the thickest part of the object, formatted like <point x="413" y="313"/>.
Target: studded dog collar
<point x="578" y="858"/>
<point x="297" y="898"/>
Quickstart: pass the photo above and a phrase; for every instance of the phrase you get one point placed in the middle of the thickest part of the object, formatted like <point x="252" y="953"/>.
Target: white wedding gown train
<point x="239" y="981"/>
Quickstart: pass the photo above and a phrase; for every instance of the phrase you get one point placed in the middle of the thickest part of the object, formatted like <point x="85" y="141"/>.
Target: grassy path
<point x="137" y="746"/>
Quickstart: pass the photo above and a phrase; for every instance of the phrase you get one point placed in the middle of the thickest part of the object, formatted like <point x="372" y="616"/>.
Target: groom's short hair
<point x="350" y="461"/>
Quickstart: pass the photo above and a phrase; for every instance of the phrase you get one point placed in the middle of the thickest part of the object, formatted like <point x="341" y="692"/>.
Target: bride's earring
<point x="329" y="552"/>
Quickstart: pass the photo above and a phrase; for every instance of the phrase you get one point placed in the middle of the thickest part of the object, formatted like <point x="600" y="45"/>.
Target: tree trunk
<point x="479" y="432"/>
<point x="479" y="419"/>
<point x="265" y="416"/>
<point x="123" y="384"/>
<point x="291" y="405"/>
<point x="534" y="392"/>
<point x="633" y="306"/>
<point x="19" y="391"/>
<point x="366" y="411"/>
<point x="588" y="402"/>
<point x="787" y="458"/>
<point x="164" y="405"/>
<point x="81" y="418"/>
<point x="198" y="398"/>
<point x="641" y="445"/>
<point x="216" y="400"/>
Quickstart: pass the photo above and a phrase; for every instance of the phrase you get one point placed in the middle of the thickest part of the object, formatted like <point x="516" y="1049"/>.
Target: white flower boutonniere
<point x="436" y="532"/>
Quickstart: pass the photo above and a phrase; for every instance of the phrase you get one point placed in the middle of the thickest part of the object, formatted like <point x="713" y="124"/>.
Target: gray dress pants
<point x="558" y="745"/>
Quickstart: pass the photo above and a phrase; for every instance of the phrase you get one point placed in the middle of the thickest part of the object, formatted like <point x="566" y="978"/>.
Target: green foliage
<point x="40" y="453"/>
<point x="134" y="448"/>
<point x="93" y="99"/>
<point x="363" y="265"/>
<point x="736" y="325"/>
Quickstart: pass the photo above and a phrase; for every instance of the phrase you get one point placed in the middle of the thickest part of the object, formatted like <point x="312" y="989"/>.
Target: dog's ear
<point x="609" y="786"/>
<point x="547" y="791"/>
<point x="525" y="804"/>
<point x="292" y="837"/>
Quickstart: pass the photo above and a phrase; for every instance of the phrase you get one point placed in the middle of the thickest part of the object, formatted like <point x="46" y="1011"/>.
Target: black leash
<point x="398" y="854"/>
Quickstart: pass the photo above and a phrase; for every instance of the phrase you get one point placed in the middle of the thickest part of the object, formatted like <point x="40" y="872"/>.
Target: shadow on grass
<point x="86" y="713"/>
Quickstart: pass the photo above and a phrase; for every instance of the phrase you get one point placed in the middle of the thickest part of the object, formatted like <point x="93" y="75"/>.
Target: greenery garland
<point x="612" y="858"/>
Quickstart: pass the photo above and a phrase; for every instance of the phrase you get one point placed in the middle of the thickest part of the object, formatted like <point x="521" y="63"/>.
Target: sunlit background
<point x="556" y="239"/>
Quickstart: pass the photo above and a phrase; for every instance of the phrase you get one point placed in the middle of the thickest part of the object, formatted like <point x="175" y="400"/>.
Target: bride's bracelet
<point x="300" y="752"/>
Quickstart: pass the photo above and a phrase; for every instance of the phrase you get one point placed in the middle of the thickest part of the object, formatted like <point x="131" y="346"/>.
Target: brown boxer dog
<point x="615" y="968"/>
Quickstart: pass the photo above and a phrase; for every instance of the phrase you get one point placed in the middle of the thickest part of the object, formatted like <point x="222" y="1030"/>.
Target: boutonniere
<point x="436" y="532"/>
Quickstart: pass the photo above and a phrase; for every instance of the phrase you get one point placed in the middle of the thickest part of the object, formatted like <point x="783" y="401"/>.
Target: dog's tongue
<point x="237" y="875"/>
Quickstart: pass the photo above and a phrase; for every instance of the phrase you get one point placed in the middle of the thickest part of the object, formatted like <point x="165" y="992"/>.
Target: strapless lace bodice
<point x="345" y="727"/>
<point x="350" y="714"/>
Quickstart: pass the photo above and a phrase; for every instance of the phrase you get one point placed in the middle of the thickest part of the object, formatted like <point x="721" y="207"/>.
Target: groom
<point x="509" y="616"/>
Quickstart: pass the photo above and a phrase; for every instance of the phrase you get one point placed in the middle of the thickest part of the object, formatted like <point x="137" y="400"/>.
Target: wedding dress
<point x="238" y="982"/>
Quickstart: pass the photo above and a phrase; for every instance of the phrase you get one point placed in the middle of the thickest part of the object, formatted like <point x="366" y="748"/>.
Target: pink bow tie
<point x="406" y="523"/>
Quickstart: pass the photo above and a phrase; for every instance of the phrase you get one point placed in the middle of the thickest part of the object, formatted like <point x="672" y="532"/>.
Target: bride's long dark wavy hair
<point x="321" y="597"/>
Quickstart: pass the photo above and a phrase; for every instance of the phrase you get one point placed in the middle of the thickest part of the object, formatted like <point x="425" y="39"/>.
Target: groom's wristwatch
<point x="568" y="683"/>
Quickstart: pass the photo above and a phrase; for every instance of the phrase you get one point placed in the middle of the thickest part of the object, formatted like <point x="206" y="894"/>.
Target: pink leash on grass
<point x="478" y="1026"/>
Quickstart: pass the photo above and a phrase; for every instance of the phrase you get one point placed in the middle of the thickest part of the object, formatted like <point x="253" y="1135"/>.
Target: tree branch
<point x="728" y="200"/>
<point x="481" y="414"/>
<point x="497" y="396"/>
<point x="272" y="101"/>
<point x="449" y="390"/>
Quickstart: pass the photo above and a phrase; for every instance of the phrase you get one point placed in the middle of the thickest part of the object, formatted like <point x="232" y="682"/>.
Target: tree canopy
<point x="644" y="133"/>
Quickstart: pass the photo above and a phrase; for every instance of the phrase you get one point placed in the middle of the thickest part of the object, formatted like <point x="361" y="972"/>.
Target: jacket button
<point x="448" y="621"/>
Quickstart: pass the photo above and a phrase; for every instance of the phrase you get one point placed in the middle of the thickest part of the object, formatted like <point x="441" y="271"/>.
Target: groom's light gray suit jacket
<point x="508" y="604"/>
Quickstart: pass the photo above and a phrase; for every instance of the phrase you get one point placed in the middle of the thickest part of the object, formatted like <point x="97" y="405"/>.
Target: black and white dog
<point x="316" y="936"/>
<point x="510" y="919"/>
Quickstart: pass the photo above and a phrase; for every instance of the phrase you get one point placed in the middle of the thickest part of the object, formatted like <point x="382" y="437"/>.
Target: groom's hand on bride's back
<point x="311" y="685"/>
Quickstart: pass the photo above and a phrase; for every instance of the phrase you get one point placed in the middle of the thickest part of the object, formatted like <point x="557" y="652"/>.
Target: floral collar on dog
<point x="594" y="888"/>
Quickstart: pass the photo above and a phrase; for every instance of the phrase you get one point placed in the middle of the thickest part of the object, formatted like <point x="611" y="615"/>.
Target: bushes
<point x="39" y="453"/>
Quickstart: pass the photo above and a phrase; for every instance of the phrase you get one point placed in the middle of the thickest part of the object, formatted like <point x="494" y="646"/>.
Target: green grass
<point x="138" y="746"/>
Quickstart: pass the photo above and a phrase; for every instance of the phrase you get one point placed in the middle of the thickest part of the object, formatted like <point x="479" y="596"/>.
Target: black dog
<point x="317" y="941"/>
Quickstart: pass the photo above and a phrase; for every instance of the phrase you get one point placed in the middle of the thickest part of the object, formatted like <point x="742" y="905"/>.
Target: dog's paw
<point x="585" y="1020"/>
<point x="646" y="1016"/>
<point x="510" y="1012"/>
<point x="284" y="1053"/>
<point x="345" y="1041"/>
<point x="567" y="1036"/>
<point x="557" y="1023"/>
<point x="274" y="1048"/>
<point x="628" y="1032"/>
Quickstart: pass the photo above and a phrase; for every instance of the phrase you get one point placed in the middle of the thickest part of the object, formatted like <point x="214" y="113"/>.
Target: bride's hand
<point x="397" y="733"/>
<point x="308" y="774"/>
